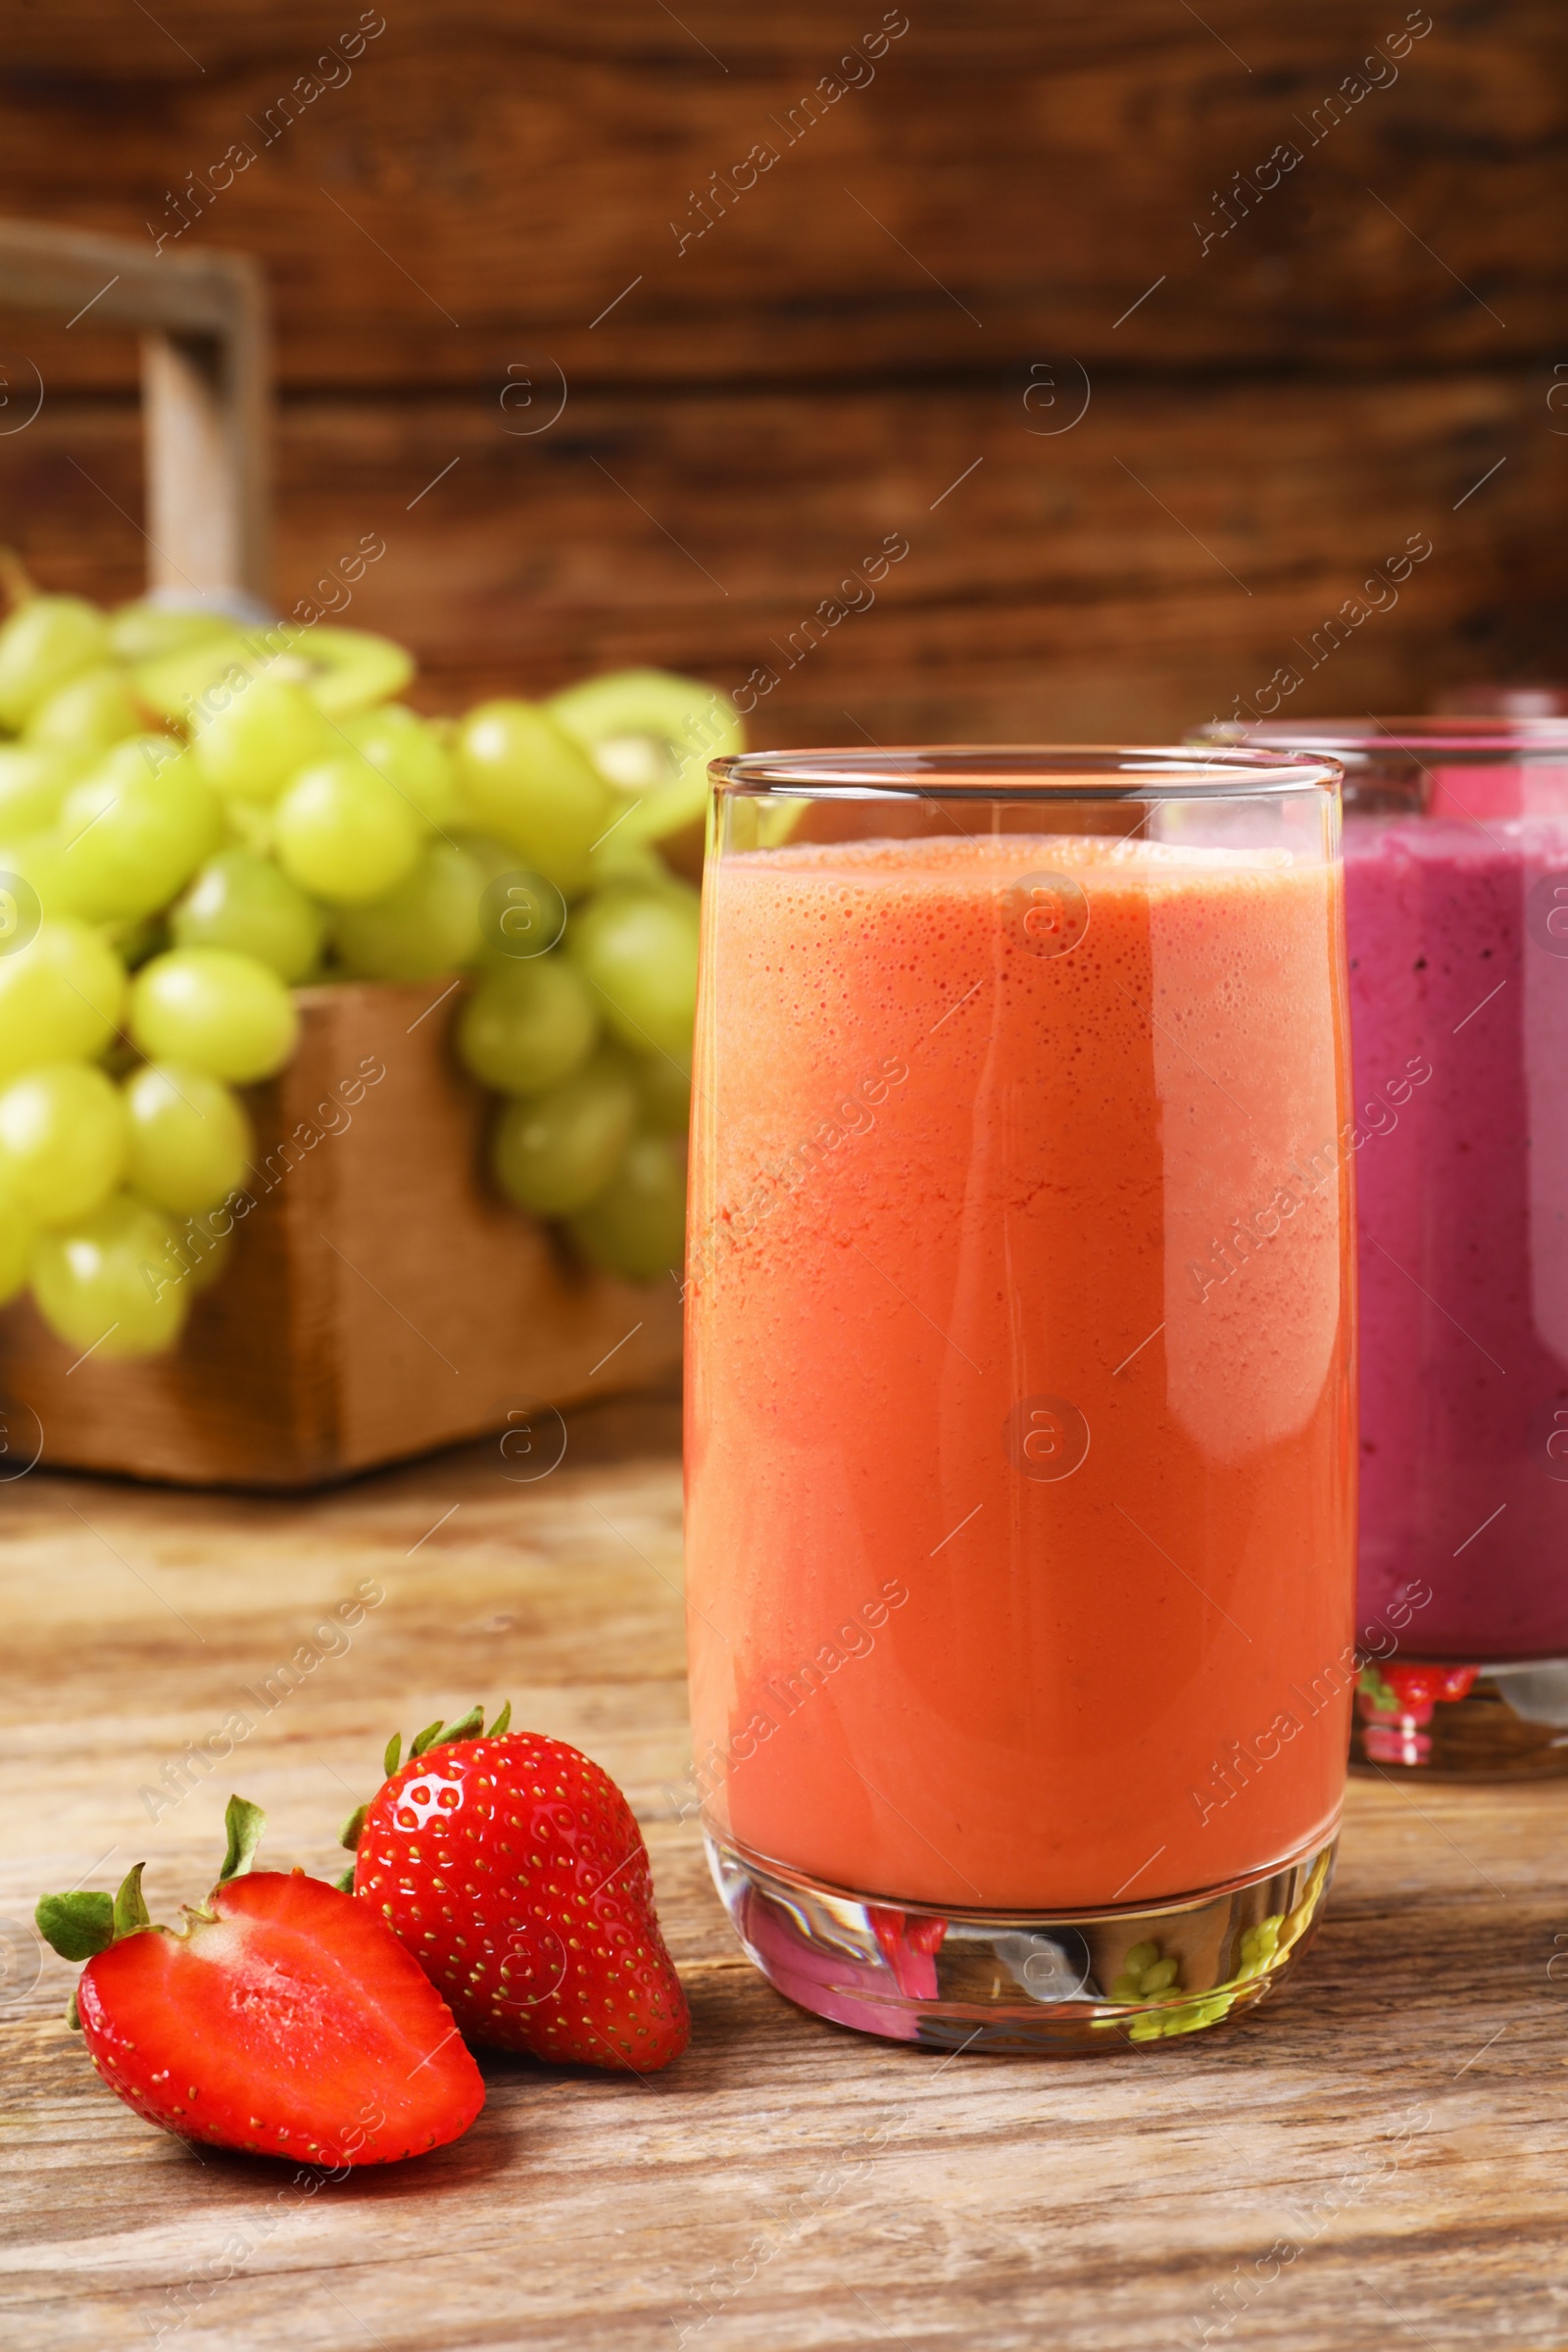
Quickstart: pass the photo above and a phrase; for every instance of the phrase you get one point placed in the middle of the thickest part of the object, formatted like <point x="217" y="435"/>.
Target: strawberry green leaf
<point x="502" y="1721"/>
<point x="349" y="1833"/>
<point x="466" y="1728"/>
<point x="76" y="1925"/>
<point x="394" y="1755"/>
<point x="130" y="1904"/>
<point x="1372" y="1685"/>
<point x="425" y="1738"/>
<point x="344" y="1882"/>
<point x="246" y="1825"/>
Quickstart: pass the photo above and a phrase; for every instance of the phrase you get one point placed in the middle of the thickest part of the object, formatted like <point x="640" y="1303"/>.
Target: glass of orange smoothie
<point x="1020" y="1414"/>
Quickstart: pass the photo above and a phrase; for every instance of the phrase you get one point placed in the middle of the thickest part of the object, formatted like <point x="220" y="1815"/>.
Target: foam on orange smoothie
<point x="1018" y="1531"/>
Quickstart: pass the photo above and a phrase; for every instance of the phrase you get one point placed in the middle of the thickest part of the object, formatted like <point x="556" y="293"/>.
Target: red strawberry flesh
<point x="290" y="2024"/>
<point x="515" y="1871"/>
<point x="1421" y="1685"/>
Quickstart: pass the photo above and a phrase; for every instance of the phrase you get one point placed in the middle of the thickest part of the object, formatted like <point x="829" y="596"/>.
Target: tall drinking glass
<point x="1457" y="905"/>
<point x="1020" y="1412"/>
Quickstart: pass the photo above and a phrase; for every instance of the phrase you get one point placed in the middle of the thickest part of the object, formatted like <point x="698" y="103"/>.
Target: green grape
<point x="110" y="1283"/>
<point x="247" y="902"/>
<point x="427" y="925"/>
<point x="190" y="1139"/>
<point x="139" y="756"/>
<point x="521" y="915"/>
<point x="521" y="778"/>
<point x="636" y="1227"/>
<point x="46" y="640"/>
<point x="20" y="909"/>
<point x="250" y="825"/>
<point x="637" y="948"/>
<point x="144" y="631"/>
<point x="135" y="830"/>
<point x="90" y="712"/>
<point x="34" y="779"/>
<point x="136" y="943"/>
<point x="664" y="1092"/>
<point x="268" y="730"/>
<point x="197" y="1254"/>
<point x="552" y="1153"/>
<point x="652" y="734"/>
<point x="63" y="1142"/>
<point x="494" y="857"/>
<point x="526" y="1025"/>
<point x="37" y="881"/>
<point x="619" y="859"/>
<point x="18" y="1237"/>
<point x="342" y="833"/>
<point x="220" y="1011"/>
<point x="406" y="750"/>
<point x="61" y="997"/>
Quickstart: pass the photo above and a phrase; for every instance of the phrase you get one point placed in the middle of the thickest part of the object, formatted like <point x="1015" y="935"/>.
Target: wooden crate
<point x="380" y="1298"/>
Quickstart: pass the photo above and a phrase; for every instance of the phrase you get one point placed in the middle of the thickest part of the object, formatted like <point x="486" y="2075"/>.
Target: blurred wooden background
<point x="481" y="206"/>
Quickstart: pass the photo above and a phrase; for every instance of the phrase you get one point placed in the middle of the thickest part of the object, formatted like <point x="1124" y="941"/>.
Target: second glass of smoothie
<point x="1456" y="910"/>
<point x="1020" y="1422"/>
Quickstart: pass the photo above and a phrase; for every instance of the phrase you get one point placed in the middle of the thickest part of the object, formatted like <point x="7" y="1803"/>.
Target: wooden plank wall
<point x="634" y="334"/>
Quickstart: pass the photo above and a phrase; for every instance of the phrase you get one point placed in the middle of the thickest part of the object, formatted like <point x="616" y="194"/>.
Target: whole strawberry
<point x="280" y="2018"/>
<point x="512" y="1869"/>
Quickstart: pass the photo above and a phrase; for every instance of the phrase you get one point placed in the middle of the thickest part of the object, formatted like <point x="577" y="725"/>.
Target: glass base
<point x="1442" y="1721"/>
<point x="1068" y="1984"/>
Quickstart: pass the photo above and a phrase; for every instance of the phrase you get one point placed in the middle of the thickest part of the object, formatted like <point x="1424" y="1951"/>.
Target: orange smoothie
<point x="1020" y="1418"/>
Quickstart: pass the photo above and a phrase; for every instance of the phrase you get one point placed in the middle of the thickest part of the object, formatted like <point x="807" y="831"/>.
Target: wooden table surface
<point x="1376" y="2158"/>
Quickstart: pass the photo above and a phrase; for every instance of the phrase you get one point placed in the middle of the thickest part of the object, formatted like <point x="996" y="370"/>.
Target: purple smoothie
<point x="1459" y="969"/>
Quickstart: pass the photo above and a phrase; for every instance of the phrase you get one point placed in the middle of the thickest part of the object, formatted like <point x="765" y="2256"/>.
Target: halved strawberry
<point x="514" y="1870"/>
<point x="282" y="2018"/>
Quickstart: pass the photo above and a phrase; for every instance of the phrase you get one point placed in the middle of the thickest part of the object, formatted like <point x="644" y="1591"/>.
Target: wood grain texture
<point x="382" y="1298"/>
<point x="475" y="222"/>
<point x="1122" y="579"/>
<point x="786" y="2184"/>
<point x="1010" y="180"/>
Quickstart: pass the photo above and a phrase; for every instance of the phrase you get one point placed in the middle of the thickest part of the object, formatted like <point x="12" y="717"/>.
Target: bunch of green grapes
<point x="197" y="819"/>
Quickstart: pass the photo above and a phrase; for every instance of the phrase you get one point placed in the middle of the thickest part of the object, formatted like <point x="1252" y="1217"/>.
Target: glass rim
<point x="1028" y="772"/>
<point x="1451" y="736"/>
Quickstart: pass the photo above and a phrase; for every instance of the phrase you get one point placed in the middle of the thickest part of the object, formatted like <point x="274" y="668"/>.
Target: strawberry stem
<point x="246" y="1826"/>
<point x="464" y="1726"/>
<point x="130" y="1912"/>
<point x="468" y="1727"/>
<point x="85" y="1923"/>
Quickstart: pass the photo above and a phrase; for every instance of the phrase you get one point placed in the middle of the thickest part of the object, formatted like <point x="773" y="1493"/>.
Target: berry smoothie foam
<point x="1458" y="949"/>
